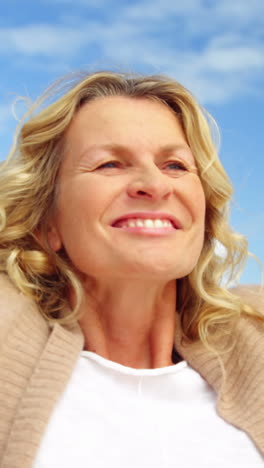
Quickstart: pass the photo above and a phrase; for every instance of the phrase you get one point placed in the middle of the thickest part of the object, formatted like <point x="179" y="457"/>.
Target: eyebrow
<point x="121" y="149"/>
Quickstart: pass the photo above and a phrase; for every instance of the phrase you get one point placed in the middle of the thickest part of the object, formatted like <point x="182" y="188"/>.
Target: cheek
<point x="198" y="198"/>
<point x="75" y="198"/>
<point x="199" y="205"/>
<point x="193" y="197"/>
<point x="80" y="204"/>
<point x="199" y="213"/>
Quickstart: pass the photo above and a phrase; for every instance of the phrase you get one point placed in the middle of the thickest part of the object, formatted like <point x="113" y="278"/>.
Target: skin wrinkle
<point x="91" y="156"/>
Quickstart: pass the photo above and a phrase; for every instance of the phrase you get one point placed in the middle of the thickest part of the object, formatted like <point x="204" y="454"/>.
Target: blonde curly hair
<point x="28" y="183"/>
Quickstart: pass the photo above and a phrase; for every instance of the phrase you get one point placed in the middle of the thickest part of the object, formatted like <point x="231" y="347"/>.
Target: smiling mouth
<point x="144" y="223"/>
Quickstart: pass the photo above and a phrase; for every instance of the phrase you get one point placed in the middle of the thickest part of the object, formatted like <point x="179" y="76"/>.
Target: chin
<point x="162" y="272"/>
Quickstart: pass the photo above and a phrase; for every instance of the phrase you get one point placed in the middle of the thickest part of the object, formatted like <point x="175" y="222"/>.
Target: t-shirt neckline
<point x="120" y="368"/>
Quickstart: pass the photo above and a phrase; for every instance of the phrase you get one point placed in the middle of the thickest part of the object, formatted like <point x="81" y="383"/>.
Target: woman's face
<point x="130" y="203"/>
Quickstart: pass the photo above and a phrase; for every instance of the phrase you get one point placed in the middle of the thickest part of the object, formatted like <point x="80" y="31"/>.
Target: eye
<point x="109" y="165"/>
<point x="176" y="166"/>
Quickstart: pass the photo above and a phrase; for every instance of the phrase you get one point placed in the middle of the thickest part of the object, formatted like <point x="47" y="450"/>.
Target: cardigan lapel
<point x="48" y="375"/>
<point x="236" y="374"/>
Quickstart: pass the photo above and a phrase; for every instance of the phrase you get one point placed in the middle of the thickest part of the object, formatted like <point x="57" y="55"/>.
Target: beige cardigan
<point x="36" y="362"/>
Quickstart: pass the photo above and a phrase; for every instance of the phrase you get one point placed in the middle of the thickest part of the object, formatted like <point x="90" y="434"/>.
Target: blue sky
<point x="213" y="47"/>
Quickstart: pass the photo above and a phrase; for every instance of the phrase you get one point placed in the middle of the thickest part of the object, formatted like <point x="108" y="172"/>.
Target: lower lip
<point x="149" y="231"/>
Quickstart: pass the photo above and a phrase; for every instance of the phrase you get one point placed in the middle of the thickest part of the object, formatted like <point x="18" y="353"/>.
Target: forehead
<point x="118" y="114"/>
<point x="139" y="126"/>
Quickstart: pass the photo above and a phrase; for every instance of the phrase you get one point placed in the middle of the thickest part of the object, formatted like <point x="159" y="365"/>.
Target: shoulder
<point x="252" y="295"/>
<point x="248" y="329"/>
<point x="14" y="305"/>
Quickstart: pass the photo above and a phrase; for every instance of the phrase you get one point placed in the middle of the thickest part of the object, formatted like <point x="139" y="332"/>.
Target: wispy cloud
<point x="42" y="39"/>
<point x="85" y="3"/>
<point x="200" y="16"/>
<point x="203" y="44"/>
<point x="220" y="250"/>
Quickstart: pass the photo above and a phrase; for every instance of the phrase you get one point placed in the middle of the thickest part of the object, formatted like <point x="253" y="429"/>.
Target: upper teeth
<point x="147" y="223"/>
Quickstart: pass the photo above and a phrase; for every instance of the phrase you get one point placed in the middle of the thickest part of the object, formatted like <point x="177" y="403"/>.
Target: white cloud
<point x="220" y="249"/>
<point x="160" y="9"/>
<point x="199" y="16"/>
<point x="42" y="39"/>
<point x="243" y="11"/>
<point x="234" y="58"/>
<point x="212" y="47"/>
<point x="85" y="3"/>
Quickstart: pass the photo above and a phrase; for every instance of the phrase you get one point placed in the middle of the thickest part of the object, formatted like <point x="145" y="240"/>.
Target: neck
<point x="132" y="323"/>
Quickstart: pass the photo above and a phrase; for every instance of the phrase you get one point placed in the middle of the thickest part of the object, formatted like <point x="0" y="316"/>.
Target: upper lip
<point x="150" y="215"/>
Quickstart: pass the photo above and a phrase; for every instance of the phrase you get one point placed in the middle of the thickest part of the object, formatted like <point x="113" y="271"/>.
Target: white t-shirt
<point x="112" y="416"/>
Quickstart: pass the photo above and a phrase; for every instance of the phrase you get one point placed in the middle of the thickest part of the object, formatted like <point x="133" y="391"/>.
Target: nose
<point x="150" y="183"/>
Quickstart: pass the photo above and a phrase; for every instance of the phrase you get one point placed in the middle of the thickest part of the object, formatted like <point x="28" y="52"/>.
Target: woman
<point x="112" y="309"/>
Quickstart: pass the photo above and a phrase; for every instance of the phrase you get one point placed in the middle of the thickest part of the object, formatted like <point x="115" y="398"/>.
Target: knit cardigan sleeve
<point x="237" y="372"/>
<point x="36" y="361"/>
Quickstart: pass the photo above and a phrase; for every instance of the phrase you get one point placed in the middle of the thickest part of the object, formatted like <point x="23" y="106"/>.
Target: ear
<point x="54" y="239"/>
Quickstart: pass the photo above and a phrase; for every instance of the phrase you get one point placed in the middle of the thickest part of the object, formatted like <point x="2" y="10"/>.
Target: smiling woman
<point x="141" y="183"/>
<point x="111" y="304"/>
